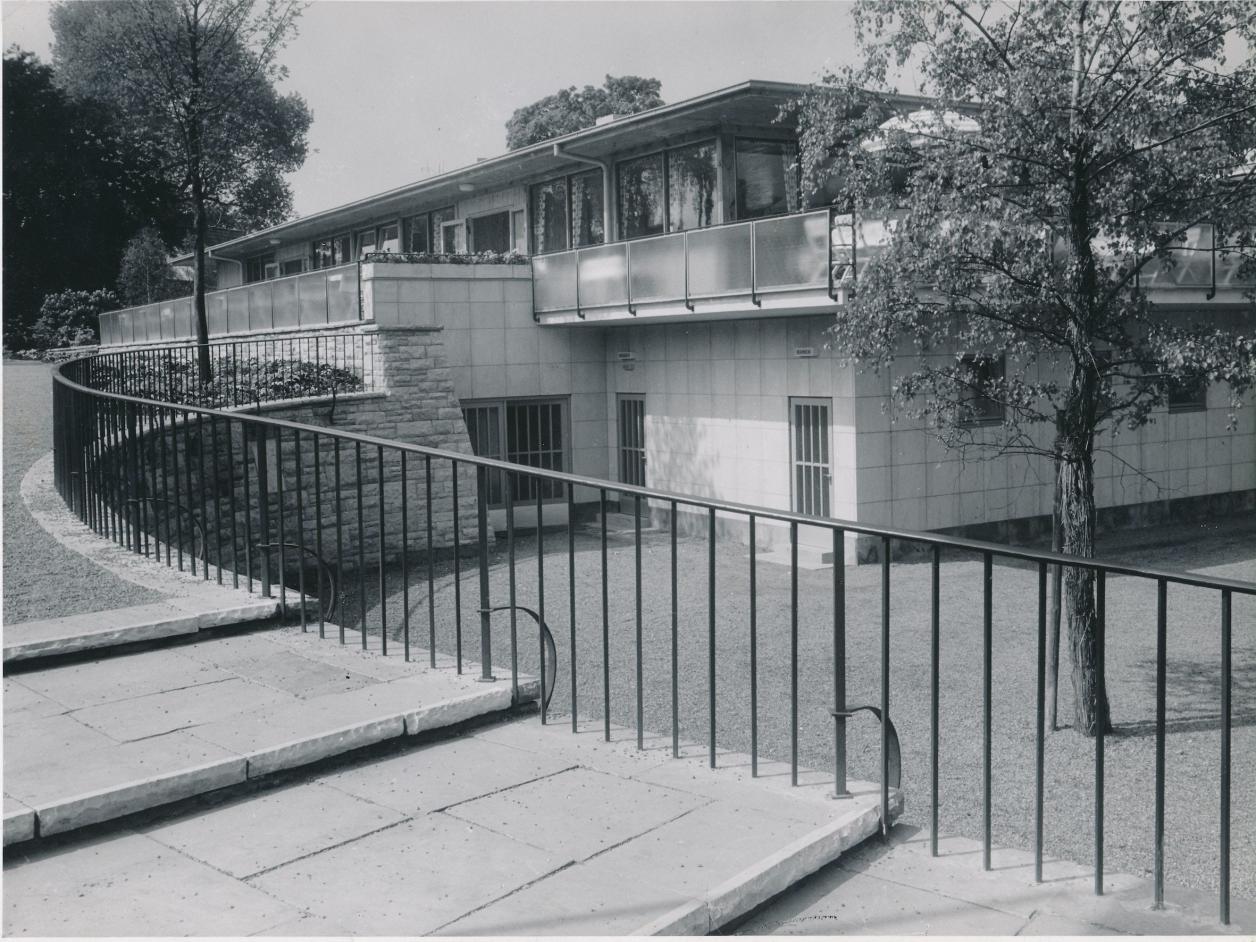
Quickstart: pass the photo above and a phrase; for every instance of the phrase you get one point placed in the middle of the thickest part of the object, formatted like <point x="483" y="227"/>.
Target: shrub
<point x="442" y="258"/>
<point x="72" y="318"/>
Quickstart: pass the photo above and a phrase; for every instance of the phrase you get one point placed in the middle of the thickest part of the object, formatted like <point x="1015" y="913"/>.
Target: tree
<point x="570" y="110"/>
<point x="195" y="81"/>
<point x="145" y="275"/>
<point x="1070" y="149"/>
<point x="73" y="189"/>
<point x="72" y="318"/>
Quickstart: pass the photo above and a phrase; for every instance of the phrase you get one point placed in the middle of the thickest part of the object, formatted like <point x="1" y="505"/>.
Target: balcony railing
<point x="311" y="299"/>
<point x="800" y="252"/>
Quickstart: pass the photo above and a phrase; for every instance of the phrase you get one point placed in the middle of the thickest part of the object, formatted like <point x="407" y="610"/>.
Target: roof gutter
<point x="608" y="203"/>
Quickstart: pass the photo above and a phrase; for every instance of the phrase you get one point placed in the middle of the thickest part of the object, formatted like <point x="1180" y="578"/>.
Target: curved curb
<point x="58" y="521"/>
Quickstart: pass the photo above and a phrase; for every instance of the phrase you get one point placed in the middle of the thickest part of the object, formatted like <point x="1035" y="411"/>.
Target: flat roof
<point x="752" y="102"/>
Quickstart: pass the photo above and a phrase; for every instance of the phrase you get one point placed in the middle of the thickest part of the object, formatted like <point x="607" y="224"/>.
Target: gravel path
<point x="43" y="579"/>
<point x="1192" y="704"/>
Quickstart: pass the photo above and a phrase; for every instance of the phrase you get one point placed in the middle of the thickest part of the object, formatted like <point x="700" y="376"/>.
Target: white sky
<point x="403" y="90"/>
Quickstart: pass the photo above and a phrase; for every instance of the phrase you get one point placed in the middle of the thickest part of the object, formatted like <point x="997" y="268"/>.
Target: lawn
<point x="1193" y="699"/>
<point x="43" y="579"/>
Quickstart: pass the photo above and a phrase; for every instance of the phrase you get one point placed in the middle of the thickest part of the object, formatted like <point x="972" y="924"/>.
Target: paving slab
<point x="19" y="821"/>
<point x="411" y="879"/>
<point x="145" y="728"/>
<point x="128" y="885"/>
<point x="265" y="821"/>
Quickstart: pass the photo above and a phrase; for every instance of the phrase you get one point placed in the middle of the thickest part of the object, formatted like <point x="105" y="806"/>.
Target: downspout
<point x="209" y="255"/>
<point x="608" y="203"/>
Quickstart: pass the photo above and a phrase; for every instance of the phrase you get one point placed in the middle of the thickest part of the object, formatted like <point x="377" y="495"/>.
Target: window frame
<point x="314" y="266"/>
<point x="1190" y="399"/>
<point x="983" y="420"/>
<point x="570" y="235"/>
<point x="736" y="173"/>
<point x="502" y="404"/>
<point x="262" y="260"/>
<point x="696" y="141"/>
<point x="469" y="241"/>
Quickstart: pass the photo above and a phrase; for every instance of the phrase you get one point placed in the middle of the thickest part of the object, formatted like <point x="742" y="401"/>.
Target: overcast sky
<point x="403" y="90"/>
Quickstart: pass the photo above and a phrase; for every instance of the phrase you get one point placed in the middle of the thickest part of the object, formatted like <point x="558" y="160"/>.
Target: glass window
<point x="533" y="437"/>
<point x="587" y="216"/>
<point x="692" y="179"/>
<point x="767" y="178"/>
<point x="439" y="218"/>
<point x="389" y="238"/>
<point x="418" y="235"/>
<point x="294" y="266"/>
<point x="641" y="206"/>
<point x="549" y="217"/>
<point x="976" y="375"/>
<point x="366" y="242"/>
<point x="519" y="231"/>
<point x="255" y="268"/>
<point x="1188" y="397"/>
<point x="490" y="233"/>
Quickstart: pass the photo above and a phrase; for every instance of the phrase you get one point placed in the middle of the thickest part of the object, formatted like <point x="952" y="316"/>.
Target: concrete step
<point x="175" y="616"/>
<point x="508" y="829"/>
<point x="93" y="741"/>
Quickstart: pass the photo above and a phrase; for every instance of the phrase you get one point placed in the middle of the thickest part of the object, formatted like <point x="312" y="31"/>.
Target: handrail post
<point x="486" y="628"/>
<point x="263" y="507"/>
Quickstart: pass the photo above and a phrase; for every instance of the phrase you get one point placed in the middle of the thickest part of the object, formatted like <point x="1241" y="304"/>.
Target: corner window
<point x="567" y="213"/>
<point x="977" y="374"/>
<point x="529" y="432"/>
<point x="1188" y="397"/>
<point x="366" y="242"/>
<point x="767" y="178"/>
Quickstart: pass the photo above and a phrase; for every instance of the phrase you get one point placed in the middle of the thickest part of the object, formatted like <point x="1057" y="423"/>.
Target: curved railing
<point x="261" y="485"/>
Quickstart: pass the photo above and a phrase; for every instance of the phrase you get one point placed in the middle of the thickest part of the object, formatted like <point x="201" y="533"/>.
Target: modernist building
<point x="669" y="328"/>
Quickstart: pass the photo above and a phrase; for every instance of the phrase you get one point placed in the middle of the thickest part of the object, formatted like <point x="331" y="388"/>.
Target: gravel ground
<point x="1193" y="699"/>
<point x="43" y="579"/>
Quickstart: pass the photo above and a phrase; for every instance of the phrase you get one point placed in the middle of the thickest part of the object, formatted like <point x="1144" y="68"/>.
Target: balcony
<point x="311" y="299"/>
<point x="801" y="263"/>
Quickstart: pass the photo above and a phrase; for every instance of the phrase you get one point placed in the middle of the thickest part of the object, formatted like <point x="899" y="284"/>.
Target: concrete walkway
<point x="514" y="829"/>
<point x="92" y="741"/>
<point x="899" y="889"/>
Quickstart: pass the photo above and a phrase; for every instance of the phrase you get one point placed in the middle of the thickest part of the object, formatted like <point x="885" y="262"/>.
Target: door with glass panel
<point x="632" y="440"/>
<point x="811" y="455"/>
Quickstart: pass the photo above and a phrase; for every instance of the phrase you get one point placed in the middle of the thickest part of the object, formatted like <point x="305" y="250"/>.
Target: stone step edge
<point x="754" y="886"/>
<point x="80" y="811"/>
<point x="75" y="641"/>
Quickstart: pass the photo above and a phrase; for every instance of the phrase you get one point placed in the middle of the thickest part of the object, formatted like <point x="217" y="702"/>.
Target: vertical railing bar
<point x="200" y="448"/>
<point x="340" y="546"/>
<point x="711" y="629"/>
<point x="1161" y="645"/>
<point x="1226" y="683"/>
<point x="235" y="510"/>
<point x="299" y="487"/>
<point x="383" y="549"/>
<point x="508" y="485"/>
<point x="640" y="673"/>
<point x="282" y="523"/>
<point x="675" y="523"/>
<point x="481" y="513"/>
<point x="357" y="480"/>
<point x="606" y="630"/>
<point x="839" y="665"/>
<point x="453" y="467"/>
<point x="540" y="597"/>
<point x="185" y="499"/>
<point x="405" y="562"/>
<point x="213" y="437"/>
<point x="987" y="621"/>
<point x="793" y="653"/>
<point x="885" y="687"/>
<point x="754" y="653"/>
<point x="248" y="510"/>
<point x="318" y="532"/>
<point x="431" y="563"/>
<point x="571" y="594"/>
<point x="263" y="504"/>
<point x="1040" y="732"/>
<point x="935" y="656"/>
<point x="1100" y="644"/>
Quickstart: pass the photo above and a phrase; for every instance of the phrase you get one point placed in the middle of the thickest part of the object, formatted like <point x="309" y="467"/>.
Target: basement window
<point x="529" y="432"/>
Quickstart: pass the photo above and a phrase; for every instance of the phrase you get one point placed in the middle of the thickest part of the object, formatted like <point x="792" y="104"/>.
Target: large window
<point x="1188" y="397"/>
<point x="489" y="233"/>
<point x="330" y="252"/>
<point x="260" y="267"/>
<point x="767" y="178"/>
<point x="692" y="179"/>
<point x="441" y="240"/>
<point x="642" y="202"/>
<point x="366" y="242"/>
<point x="528" y="432"/>
<point x="567" y="213"/>
<point x="669" y="192"/>
<point x="422" y="232"/>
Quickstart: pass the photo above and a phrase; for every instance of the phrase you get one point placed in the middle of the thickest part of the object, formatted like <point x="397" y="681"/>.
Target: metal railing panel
<point x="554" y="281"/>
<point x="220" y="307"/>
<point x="658" y="268"/>
<point x="603" y="275"/>
<point x="185" y="318"/>
<point x="258" y="299"/>
<point x="792" y="252"/>
<point x="284" y="304"/>
<point x="343" y="295"/>
<point x="720" y="261"/>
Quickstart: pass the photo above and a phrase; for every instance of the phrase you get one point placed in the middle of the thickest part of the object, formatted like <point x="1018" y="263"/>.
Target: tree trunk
<point x="1075" y="471"/>
<point x="202" y="321"/>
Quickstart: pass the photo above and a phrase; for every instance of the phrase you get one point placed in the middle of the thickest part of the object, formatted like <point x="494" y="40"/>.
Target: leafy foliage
<point x="145" y="275"/>
<point x="449" y="258"/>
<point x="72" y="318"/>
<point x="1069" y="151"/>
<point x="73" y="188"/>
<point x="569" y="109"/>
